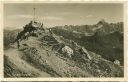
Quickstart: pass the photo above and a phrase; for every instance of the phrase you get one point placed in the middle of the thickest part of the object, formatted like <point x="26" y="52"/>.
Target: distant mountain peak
<point x="101" y="22"/>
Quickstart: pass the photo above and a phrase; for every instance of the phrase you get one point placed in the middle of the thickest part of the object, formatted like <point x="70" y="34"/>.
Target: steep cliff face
<point x="41" y="56"/>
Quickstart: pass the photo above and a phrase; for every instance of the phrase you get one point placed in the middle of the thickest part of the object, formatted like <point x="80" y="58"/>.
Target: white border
<point x="1" y="40"/>
<point x="67" y="79"/>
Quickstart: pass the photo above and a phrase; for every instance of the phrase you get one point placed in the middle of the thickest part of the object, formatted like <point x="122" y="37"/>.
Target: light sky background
<point x="16" y="15"/>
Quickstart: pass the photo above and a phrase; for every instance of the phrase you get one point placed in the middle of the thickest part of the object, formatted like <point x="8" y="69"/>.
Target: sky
<point x="17" y="15"/>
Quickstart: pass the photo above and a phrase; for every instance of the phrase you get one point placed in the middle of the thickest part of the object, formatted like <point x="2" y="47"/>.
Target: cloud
<point x="52" y="18"/>
<point x="25" y="16"/>
<point x="37" y="17"/>
<point x="19" y="16"/>
<point x="88" y="16"/>
<point x="66" y="13"/>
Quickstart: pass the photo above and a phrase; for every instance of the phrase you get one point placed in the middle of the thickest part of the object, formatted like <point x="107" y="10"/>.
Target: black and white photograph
<point x="65" y="40"/>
